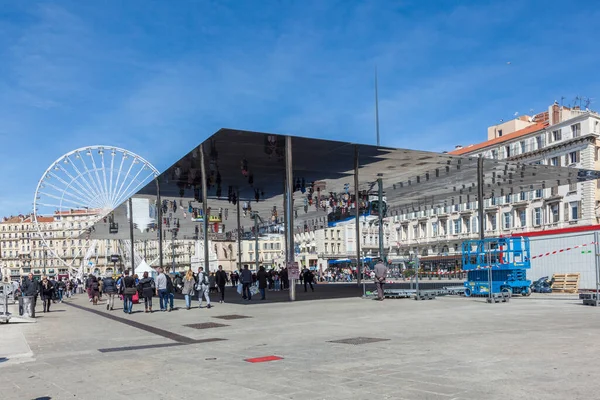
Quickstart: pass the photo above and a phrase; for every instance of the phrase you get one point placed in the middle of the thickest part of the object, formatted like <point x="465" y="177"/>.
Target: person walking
<point x="262" y="278"/>
<point x="170" y="293"/>
<point x="46" y="293"/>
<point x="146" y="289"/>
<point x="308" y="279"/>
<point x="203" y="288"/>
<point x="128" y="290"/>
<point x="188" y="288"/>
<point x="61" y="287"/>
<point x="110" y="288"/>
<point x="29" y="291"/>
<point x="161" y="289"/>
<point x="94" y="289"/>
<point x="380" y="275"/>
<point x="222" y="280"/>
<point x="246" y="279"/>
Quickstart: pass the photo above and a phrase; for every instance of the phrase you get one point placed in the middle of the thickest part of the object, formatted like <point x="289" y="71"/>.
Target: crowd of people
<point x="131" y="289"/>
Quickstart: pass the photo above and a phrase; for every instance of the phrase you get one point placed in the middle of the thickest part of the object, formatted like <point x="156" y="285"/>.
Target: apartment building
<point x="561" y="136"/>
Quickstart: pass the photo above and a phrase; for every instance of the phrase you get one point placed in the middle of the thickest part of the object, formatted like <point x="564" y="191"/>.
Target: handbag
<point x="135" y="299"/>
<point x="130" y="291"/>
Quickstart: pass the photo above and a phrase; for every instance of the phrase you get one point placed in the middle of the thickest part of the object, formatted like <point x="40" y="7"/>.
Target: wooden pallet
<point x="566" y="283"/>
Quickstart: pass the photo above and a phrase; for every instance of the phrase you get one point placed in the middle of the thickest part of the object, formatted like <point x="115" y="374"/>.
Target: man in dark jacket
<point x="380" y="275"/>
<point x="246" y="279"/>
<point x="110" y="288"/>
<point x="308" y="279"/>
<point x="30" y="289"/>
<point x="262" y="278"/>
<point x="221" y="282"/>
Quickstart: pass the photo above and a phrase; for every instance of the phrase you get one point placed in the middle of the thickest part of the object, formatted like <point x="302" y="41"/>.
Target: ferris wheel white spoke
<point x="58" y="178"/>
<point x="87" y="170"/>
<point x="117" y="181"/>
<point x="78" y="204"/>
<point x="126" y="191"/>
<point x="112" y="163"/>
<point x="89" y="187"/>
<point x="136" y="188"/>
<point x="122" y="183"/>
<point x="104" y="173"/>
<point x="103" y="190"/>
<point x="69" y="193"/>
<point x="76" y="181"/>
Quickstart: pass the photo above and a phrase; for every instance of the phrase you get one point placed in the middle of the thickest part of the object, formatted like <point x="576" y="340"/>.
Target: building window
<point x="507" y="199"/>
<point x="475" y="224"/>
<point x="573" y="157"/>
<point x="539" y="193"/>
<point x="539" y="141"/>
<point x="522" y="196"/>
<point x="457" y="226"/>
<point x="522" y="218"/>
<point x="423" y="228"/>
<point x="522" y="146"/>
<point x="507" y="151"/>
<point x="499" y="132"/>
<point x="555" y="161"/>
<point x="554" y="191"/>
<point x="507" y="218"/>
<point x="537" y="216"/>
<point x="576" y="130"/>
<point x="556" y="136"/>
<point x="573" y="187"/>
<point x="554" y="213"/>
<point x="573" y="211"/>
<point x="495" y="154"/>
<point x="493" y="221"/>
<point x="434" y="229"/>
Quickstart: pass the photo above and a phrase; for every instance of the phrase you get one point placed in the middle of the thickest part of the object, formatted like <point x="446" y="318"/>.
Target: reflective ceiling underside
<point x="253" y="165"/>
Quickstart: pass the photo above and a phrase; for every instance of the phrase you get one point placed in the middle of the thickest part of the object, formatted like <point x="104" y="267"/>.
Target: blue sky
<point x="158" y="77"/>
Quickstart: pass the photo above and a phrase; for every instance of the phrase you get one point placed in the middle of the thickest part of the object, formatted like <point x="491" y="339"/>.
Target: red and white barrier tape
<point x="562" y="250"/>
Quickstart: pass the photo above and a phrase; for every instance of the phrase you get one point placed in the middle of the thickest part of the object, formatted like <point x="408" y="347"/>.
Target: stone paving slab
<point x="448" y="348"/>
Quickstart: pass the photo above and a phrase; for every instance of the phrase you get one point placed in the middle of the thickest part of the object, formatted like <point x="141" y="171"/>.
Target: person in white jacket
<point x="203" y="287"/>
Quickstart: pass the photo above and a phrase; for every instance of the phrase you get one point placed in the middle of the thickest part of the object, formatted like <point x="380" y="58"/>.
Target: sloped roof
<point x="474" y="147"/>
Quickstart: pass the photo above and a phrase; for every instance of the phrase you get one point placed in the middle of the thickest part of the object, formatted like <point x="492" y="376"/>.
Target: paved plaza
<point x="541" y="347"/>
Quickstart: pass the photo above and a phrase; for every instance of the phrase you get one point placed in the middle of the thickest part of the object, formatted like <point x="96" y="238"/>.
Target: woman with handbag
<point x="129" y="290"/>
<point x="146" y="288"/>
<point x="188" y="288"/>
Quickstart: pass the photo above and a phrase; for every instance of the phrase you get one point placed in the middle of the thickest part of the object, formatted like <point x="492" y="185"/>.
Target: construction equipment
<point x="496" y="265"/>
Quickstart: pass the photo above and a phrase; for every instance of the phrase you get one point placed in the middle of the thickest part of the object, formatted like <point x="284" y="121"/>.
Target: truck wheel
<point x="467" y="292"/>
<point x="526" y="292"/>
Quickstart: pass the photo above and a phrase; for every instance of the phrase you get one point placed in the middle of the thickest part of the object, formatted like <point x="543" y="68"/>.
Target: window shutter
<point x="566" y="212"/>
<point x="533" y="222"/>
<point x="579" y="211"/>
<point x="578" y="156"/>
<point x="559" y="159"/>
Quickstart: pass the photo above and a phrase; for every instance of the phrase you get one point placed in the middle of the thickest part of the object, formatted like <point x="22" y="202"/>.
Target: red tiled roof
<point x="71" y="212"/>
<point x="510" y="136"/>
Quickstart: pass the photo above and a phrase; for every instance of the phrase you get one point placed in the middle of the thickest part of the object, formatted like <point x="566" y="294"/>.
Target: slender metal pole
<point x="289" y="218"/>
<point x="380" y="211"/>
<point x="256" y="245"/>
<point x="204" y="209"/>
<point x="173" y="250"/>
<point x="480" y="212"/>
<point x="376" y="107"/>
<point x="160" y="223"/>
<point x="239" y="232"/>
<point x="131" y="236"/>
<point x="597" y="248"/>
<point x="357" y="216"/>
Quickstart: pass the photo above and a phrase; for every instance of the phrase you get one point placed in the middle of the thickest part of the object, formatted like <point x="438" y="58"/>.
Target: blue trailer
<point x="508" y="258"/>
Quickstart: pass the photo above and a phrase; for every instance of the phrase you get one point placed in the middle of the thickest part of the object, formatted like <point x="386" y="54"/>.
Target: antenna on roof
<point x="376" y="107"/>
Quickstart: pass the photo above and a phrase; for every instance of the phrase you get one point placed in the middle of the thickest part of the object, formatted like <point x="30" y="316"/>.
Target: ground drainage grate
<point x="358" y="340"/>
<point x="206" y="325"/>
<point x="232" y="316"/>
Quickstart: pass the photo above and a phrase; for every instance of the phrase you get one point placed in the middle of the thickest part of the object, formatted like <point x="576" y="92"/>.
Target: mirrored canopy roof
<point x="251" y="165"/>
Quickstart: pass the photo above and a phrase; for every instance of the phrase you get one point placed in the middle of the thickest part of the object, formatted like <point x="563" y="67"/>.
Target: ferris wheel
<point x="84" y="186"/>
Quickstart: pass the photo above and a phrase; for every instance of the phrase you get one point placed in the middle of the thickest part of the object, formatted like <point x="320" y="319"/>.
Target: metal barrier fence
<point x="564" y="254"/>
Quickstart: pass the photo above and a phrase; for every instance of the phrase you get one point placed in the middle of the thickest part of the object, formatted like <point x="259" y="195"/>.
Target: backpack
<point x="202" y="280"/>
<point x="169" y="284"/>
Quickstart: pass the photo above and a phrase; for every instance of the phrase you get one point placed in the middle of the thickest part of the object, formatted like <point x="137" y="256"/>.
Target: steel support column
<point x="131" y="236"/>
<point x="160" y="223"/>
<point x="204" y="209"/>
<point x="480" y="212"/>
<point x="239" y="232"/>
<point x="289" y="217"/>
<point x="380" y="211"/>
<point x="357" y="216"/>
<point x="256" y="244"/>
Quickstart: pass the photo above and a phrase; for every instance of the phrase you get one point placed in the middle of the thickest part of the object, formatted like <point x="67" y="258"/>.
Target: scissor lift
<point x="496" y="265"/>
